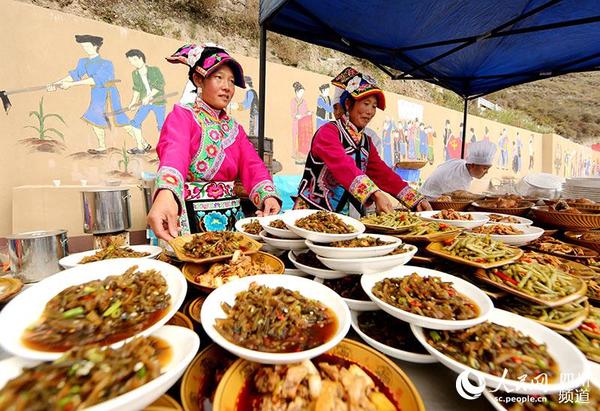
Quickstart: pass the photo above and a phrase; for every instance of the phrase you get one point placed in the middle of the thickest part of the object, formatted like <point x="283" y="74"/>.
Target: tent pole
<point x="262" y="80"/>
<point x="464" y="131"/>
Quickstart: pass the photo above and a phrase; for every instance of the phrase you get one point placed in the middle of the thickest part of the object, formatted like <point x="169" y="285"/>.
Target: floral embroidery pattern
<point x="409" y="197"/>
<point x="211" y="190"/>
<point x="219" y="131"/>
<point x="215" y="191"/>
<point x="169" y="178"/>
<point x="362" y="187"/>
<point x="261" y="191"/>
<point x="215" y="221"/>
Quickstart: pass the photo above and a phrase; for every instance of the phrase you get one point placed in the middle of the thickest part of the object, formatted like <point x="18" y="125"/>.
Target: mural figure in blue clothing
<point x="98" y="73"/>
<point x="251" y="103"/>
<point x="324" y="112"/>
<point x="422" y="142"/>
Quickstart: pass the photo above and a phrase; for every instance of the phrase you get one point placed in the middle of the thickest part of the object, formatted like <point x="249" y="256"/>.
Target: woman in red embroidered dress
<point x="343" y="171"/>
<point x="202" y="151"/>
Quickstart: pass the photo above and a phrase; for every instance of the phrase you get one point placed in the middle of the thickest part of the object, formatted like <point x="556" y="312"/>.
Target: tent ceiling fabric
<point x="404" y="35"/>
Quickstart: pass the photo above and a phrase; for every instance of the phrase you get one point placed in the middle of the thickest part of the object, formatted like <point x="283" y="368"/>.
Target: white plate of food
<point x="25" y="335"/>
<point x="323" y="226"/>
<point x="274" y="225"/>
<point x="159" y="370"/>
<point x="390" y="336"/>
<point x="373" y="264"/>
<point x="363" y="246"/>
<point x="321" y="272"/>
<point x="463" y="305"/>
<point x="283" y="243"/>
<point x="351" y="291"/>
<point x="498" y="218"/>
<point x="255" y="302"/>
<point x="250" y="226"/>
<point x="509" y="234"/>
<point x="541" y="353"/>
<point x="462" y="219"/>
<point x="110" y="253"/>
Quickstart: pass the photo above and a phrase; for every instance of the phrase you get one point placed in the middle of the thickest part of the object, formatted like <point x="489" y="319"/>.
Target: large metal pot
<point x="106" y="210"/>
<point x="34" y="255"/>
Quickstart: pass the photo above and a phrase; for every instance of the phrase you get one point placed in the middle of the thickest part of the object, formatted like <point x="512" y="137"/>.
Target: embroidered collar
<point x="352" y="129"/>
<point x="217" y="115"/>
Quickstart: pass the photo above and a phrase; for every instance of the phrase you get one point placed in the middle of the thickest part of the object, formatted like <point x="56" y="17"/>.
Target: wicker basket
<point x="486" y="206"/>
<point x="455" y="205"/>
<point x="574" y="237"/>
<point x="566" y="220"/>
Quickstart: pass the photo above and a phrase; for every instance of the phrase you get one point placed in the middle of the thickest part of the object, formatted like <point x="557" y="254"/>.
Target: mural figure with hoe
<point x="97" y="72"/>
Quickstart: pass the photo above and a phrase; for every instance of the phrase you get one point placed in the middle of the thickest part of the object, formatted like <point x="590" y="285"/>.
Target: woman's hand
<point x="270" y="206"/>
<point x="424" y="206"/>
<point x="163" y="218"/>
<point x="382" y="202"/>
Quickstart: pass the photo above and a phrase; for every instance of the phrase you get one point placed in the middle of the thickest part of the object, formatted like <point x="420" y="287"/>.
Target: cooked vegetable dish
<point x="569" y="267"/>
<point x="366" y="241"/>
<point x="399" y="250"/>
<point x="590" y="236"/>
<point x="333" y="384"/>
<point x="450" y="214"/>
<point x="253" y="227"/>
<point x="278" y="224"/>
<point x="392" y="220"/>
<point x="84" y="376"/>
<point x="479" y="249"/>
<point x="111" y="252"/>
<point x="389" y="330"/>
<point x="430" y="227"/>
<point x="587" y="336"/>
<point x="492" y="348"/>
<point x="427" y="296"/>
<point x="497" y="229"/>
<point x="348" y="287"/>
<point x="276" y="320"/>
<point x="101" y="311"/>
<point x="214" y="244"/>
<point x="542" y="281"/>
<point x="560" y="315"/>
<point x="325" y="222"/>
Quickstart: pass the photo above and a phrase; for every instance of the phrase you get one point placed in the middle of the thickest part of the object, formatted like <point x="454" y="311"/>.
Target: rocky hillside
<point x="568" y="105"/>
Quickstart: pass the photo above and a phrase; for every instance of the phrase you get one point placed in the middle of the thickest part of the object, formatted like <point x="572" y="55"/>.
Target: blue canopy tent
<point x="472" y="47"/>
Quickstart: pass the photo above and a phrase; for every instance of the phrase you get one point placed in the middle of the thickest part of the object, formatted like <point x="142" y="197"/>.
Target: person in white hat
<point x="458" y="174"/>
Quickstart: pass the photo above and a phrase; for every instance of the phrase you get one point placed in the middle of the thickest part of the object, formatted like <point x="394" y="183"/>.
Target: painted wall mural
<point x="90" y="98"/>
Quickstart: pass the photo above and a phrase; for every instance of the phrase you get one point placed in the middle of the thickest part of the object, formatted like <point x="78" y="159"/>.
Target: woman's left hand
<point x="271" y="206"/>
<point x="424" y="206"/>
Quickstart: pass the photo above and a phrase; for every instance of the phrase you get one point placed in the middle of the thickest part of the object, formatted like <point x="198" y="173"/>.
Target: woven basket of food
<point x="504" y="206"/>
<point x="589" y="239"/>
<point x="567" y="217"/>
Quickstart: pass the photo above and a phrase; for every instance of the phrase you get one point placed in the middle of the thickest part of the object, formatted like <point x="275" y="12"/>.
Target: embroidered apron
<point x="210" y="206"/>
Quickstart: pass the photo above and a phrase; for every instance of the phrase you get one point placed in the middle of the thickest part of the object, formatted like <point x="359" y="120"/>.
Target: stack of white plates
<point x="582" y="187"/>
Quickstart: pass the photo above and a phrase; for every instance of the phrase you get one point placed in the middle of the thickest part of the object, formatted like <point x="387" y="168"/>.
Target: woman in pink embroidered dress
<point x="344" y="172"/>
<point x="202" y="151"/>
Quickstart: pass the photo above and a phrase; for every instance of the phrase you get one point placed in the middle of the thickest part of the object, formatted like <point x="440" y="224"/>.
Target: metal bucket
<point x="106" y="210"/>
<point x="34" y="255"/>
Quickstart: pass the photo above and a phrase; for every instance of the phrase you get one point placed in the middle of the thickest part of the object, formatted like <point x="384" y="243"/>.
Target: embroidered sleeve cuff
<point x="409" y="197"/>
<point x="170" y="178"/>
<point x="261" y="191"/>
<point x="362" y="187"/>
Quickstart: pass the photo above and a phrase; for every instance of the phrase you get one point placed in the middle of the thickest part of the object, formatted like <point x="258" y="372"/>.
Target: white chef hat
<point x="482" y="153"/>
<point x="337" y="93"/>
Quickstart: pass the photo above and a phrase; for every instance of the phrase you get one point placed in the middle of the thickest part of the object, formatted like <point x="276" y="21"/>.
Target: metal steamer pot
<point x="106" y="210"/>
<point x="34" y="255"/>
